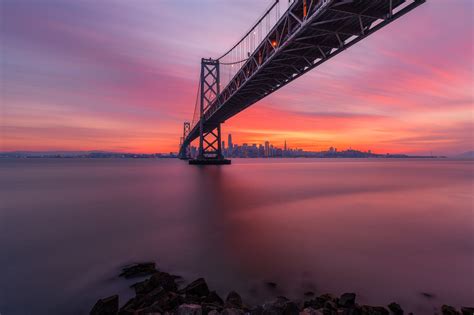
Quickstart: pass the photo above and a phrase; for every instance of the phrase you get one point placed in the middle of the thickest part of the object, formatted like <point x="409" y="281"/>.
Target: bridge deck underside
<point x="334" y="28"/>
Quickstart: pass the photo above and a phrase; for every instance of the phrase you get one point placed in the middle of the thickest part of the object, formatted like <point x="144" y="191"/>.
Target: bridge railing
<point x="233" y="60"/>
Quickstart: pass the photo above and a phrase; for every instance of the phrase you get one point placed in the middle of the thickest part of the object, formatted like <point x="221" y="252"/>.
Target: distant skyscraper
<point x="231" y="146"/>
<point x="285" y="147"/>
<point x="267" y="148"/>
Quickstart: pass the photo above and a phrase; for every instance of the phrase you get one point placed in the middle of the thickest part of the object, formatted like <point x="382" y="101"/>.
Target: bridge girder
<point x="303" y="42"/>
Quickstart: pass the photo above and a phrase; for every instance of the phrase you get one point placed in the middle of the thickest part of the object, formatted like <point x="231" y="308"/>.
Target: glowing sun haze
<point x="122" y="76"/>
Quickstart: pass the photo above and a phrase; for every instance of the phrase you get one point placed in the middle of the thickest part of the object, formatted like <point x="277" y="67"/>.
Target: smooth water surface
<point x="387" y="229"/>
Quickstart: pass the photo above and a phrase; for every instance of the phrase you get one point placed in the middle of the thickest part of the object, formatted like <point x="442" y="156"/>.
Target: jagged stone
<point x="189" y="309"/>
<point x="311" y="311"/>
<point x="232" y="311"/>
<point x="257" y="310"/>
<point x="281" y="305"/>
<point x="158" y="279"/>
<point x="467" y="310"/>
<point x="233" y="300"/>
<point x="320" y="301"/>
<point x="106" y="306"/>
<point x="449" y="310"/>
<point x="213" y="298"/>
<point x="138" y="270"/>
<point x="347" y="300"/>
<point x="198" y="288"/>
<point x="395" y="308"/>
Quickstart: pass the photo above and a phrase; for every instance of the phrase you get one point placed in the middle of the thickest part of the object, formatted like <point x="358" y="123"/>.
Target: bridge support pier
<point x="184" y="150"/>
<point x="210" y="150"/>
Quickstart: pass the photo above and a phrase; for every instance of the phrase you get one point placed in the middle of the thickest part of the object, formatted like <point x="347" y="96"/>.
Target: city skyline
<point x="128" y="85"/>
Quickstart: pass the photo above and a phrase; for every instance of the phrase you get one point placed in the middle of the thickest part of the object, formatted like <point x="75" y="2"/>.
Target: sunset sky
<point x="122" y="75"/>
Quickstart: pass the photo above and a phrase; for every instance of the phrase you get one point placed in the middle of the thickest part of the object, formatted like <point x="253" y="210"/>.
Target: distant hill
<point x="49" y="153"/>
<point x="465" y="155"/>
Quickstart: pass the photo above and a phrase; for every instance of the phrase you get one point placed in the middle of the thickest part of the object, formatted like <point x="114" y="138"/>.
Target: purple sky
<point x="122" y="76"/>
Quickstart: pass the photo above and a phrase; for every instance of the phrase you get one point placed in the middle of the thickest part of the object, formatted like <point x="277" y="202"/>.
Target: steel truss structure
<point x="309" y="33"/>
<point x="185" y="152"/>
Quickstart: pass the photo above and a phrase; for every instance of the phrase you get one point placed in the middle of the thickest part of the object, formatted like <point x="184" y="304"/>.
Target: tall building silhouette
<point x="230" y="145"/>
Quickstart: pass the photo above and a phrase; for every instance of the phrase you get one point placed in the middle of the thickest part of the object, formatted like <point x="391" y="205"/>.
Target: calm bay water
<point x="385" y="229"/>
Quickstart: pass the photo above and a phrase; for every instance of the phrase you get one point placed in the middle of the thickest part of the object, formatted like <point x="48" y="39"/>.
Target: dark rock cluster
<point x="161" y="294"/>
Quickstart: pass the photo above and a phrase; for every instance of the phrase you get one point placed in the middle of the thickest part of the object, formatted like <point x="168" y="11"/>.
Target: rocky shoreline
<point x="162" y="294"/>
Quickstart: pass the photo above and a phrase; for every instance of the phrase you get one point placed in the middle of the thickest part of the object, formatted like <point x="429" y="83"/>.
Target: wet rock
<point x="138" y="270"/>
<point x="311" y="311"/>
<point x="281" y="305"/>
<point x="109" y="305"/>
<point x="189" y="309"/>
<point x="233" y="300"/>
<point x="347" y="300"/>
<point x="158" y="279"/>
<point x="213" y="312"/>
<point x="197" y="287"/>
<point x="373" y="310"/>
<point x="320" y="301"/>
<point x="395" y="308"/>
<point x="330" y="307"/>
<point x="258" y="310"/>
<point x="210" y="307"/>
<point x="213" y="298"/>
<point x="327" y="297"/>
<point x="449" y="310"/>
<point x="232" y="311"/>
<point x="191" y="299"/>
<point x="309" y="294"/>
<point x="467" y="310"/>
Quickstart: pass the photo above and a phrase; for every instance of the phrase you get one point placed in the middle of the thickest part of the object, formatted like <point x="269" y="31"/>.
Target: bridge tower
<point x="185" y="151"/>
<point x="210" y="150"/>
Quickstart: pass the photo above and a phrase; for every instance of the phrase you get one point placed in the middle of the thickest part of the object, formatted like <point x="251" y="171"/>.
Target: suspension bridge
<point x="284" y="43"/>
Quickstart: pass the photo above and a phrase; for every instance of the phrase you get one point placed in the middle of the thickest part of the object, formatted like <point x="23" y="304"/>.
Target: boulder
<point x="467" y="310"/>
<point x="189" y="309"/>
<point x="214" y="312"/>
<point x="210" y="307"/>
<point x="257" y="310"/>
<point x="213" y="298"/>
<point x="320" y="301"/>
<point x="449" y="310"/>
<point x="311" y="311"/>
<point x="233" y="300"/>
<point x="197" y="287"/>
<point x="232" y="311"/>
<point x="395" y="308"/>
<point x="138" y="270"/>
<point x="330" y="307"/>
<point x="158" y="279"/>
<point x="107" y="306"/>
<point x="347" y="300"/>
<point x="281" y="305"/>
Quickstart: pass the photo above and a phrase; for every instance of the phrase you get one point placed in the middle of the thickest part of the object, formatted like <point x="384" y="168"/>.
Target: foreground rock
<point x="107" y="306"/>
<point x="138" y="270"/>
<point x="160" y="294"/>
